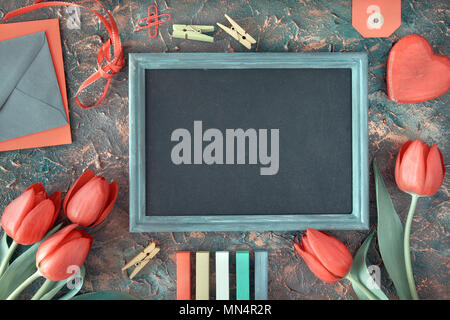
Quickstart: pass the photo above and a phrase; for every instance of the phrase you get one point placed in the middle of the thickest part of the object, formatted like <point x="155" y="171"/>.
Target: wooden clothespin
<point x="238" y="33"/>
<point x="141" y="259"/>
<point x="192" y="32"/>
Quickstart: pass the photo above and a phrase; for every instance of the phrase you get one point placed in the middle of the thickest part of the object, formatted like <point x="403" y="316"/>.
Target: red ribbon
<point x="107" y="71"/>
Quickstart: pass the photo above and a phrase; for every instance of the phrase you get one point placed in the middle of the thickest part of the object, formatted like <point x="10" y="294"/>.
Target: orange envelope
<point x="59" y="135"/>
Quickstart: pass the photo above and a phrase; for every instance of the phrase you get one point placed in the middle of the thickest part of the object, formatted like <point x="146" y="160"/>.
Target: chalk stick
<point x="183" y="275"/>
<point x="261" y="261"/>
<point x="222" y="276"/>
<point x="242" y="275"/>
<point x="202" y="275"/>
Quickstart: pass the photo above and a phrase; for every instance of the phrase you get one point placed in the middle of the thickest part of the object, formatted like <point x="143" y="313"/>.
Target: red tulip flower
<point x="30" y="216"/>
<point x="419" y="171"/>
<point x="60" y="252"/>
<point x="419" y="168"/>
<point x="90" y="199"/>
<point x="326" y="256"/>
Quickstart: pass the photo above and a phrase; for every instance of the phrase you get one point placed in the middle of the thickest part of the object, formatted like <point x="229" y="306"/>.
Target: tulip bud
<point x="58" y="254"/>
<point x="90" y="199"/>
<point x="326" y="256"/>
<point x="419" y="169"/>
<point x="31" y="215"/>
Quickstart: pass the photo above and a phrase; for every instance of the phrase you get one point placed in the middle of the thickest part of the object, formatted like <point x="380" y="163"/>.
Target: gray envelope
<point x="30" y="99"/>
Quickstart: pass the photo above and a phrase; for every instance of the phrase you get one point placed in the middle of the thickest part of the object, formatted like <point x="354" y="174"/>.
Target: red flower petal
<point x="56" y="266"/>
<point x="113" y="192"/>
<point x="403" y="148"/>
<point x="306" y="246"/>
<point x="330" y="251"/>
<point x="40" y="196"/>
<point x="36" y="223"/>
<point x="413" y="168"/>
<point x="398" y="179"/>
<point x="435" y="172"/>
<point x="52" y="242"/>
<point x="82" y="180"/>
<point x="89" y="202"/>
<point x="37" y="187"/>
<point x="16" y="211"/>
<point x="73" y="235"/>
<point x="56" y="199"/>
<point x="315" y="266"/>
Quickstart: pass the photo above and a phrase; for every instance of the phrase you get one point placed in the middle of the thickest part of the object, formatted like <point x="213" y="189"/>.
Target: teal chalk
<point x="242" y="275"/>
<point x="261" y="262"/>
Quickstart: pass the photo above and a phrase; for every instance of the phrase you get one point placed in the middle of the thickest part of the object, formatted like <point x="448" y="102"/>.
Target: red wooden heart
<point x="414" y="72"/>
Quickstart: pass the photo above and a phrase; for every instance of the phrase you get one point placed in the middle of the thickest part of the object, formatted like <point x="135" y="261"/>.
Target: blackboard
<point x="312" y="110"/>
<point x="208" y="131"/>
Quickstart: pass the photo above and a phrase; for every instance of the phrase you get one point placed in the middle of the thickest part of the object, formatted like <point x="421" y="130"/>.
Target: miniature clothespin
<point x="238" y="33"/>
<point x="141" y="259"/>
<point x="192" y="32"/>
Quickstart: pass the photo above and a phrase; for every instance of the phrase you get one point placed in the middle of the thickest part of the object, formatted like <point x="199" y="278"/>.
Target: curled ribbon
<point x="111" y="67"/>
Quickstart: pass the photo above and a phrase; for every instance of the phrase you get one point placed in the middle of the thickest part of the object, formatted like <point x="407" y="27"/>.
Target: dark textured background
<point x="101" y="139"/>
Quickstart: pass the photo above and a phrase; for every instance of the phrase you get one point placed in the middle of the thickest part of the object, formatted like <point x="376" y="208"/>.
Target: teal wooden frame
<point x="358" y="219"/>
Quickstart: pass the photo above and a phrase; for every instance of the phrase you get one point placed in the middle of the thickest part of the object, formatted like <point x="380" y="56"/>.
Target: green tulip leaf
<point x="3" y="246"/>
<point x="53" y="289"/>
<point x="360" y="272"/>
<point x="390" y="237"/>
<point x="21" y="268"/>
<point x="105" y="295"/>
<point x="75" y="283"/>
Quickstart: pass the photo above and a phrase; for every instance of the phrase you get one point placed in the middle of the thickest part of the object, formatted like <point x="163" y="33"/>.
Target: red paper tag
<point x="376" y="18"/>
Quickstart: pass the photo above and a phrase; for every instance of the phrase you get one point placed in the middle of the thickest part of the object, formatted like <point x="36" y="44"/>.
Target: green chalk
<point x="242" y="275"/>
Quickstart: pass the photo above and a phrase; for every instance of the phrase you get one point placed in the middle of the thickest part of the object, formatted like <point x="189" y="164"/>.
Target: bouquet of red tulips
<point x="57" y="255"/>
<point x="419" y="171"/>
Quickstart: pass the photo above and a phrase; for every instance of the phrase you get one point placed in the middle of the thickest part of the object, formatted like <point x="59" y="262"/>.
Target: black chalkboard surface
<point x="310" y="107"/>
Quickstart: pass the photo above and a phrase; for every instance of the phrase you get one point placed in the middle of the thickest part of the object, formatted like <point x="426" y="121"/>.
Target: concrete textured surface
<point x="101" y="139"/>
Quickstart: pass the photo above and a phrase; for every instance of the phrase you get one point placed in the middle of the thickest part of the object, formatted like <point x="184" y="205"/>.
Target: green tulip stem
<point x="406" y="247"/>
<point x="7" y="257"/>
<point x="361" y="287"/>
<point x="42" y="290"/>
<point x="24" y="284"/>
